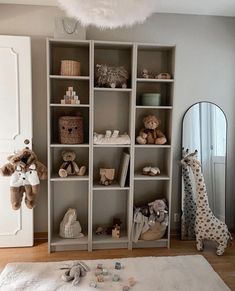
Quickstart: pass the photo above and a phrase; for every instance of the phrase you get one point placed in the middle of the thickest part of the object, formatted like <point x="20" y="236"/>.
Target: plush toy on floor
<point x="75" y="272"/>
<point x="69" y="166"/>
<point x="207" y="226"/>
<point x="151" y="134"/>
<point x="25" y="171"/>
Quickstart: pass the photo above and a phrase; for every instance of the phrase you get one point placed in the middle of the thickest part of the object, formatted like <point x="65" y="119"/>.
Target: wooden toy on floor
<point x="118" y="266"/>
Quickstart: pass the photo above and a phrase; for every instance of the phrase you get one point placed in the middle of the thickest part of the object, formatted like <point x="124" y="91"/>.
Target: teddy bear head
<point x="68" y="156"/>
<point x="151" y="122"/>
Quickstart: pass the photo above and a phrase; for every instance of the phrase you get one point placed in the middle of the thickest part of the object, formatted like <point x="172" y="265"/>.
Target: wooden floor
<point x="224" y="265"/>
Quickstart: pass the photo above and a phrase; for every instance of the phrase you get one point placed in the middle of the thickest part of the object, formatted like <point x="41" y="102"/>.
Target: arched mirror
<point x="204" y="129"/>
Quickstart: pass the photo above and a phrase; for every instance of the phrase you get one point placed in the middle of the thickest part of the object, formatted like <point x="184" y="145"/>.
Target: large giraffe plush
<point x="189" y="204"/>
<point x="207" y="226"/>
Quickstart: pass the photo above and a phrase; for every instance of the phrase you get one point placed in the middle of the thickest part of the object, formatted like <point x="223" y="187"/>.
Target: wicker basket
<point x="70" y="68"/>
<point x="71" y="129"/>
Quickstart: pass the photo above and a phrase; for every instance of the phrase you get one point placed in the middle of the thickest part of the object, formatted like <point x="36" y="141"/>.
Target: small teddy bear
<point x="151" y="134"/>
<point x="69" y="167"/>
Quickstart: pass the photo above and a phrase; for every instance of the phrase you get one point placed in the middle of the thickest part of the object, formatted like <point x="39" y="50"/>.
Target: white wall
<point x="205" y="70"/>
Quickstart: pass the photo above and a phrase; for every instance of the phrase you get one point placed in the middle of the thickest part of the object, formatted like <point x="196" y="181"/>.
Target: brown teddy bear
<point x="69" y="166"/>
<point x="25" y="171"/>
<point x="151" y="134"/>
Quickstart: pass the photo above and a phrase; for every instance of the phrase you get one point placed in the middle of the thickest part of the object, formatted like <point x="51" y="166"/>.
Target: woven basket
<point x="70" y="68"/>
<point x="71" y="129"/>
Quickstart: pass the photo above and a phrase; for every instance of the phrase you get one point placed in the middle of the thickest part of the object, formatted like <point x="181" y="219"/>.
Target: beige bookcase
<point x="102" y="109"/>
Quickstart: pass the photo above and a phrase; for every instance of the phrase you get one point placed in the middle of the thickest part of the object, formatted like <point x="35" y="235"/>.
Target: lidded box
<point x="71" y="129"/>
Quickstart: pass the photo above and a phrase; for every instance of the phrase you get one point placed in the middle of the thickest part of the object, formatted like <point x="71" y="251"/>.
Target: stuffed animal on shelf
<point x="75" y="272"/>
<point x="25" y="171"/>
<point x="70" y="227"/>
<point x="111" y="138"/>
<point x="113" y="77"/>
<point x="69" y="167"/>
<point x="158" y="220"/>
<point x="151" y="134"/>
<point x="146" y="74"/>
<point x="159" y="210"/>
<point x="163" y="76"/>
<point x="151" y="171"/>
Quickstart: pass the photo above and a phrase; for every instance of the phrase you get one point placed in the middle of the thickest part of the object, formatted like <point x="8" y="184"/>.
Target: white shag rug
<point x="181" y="273"/>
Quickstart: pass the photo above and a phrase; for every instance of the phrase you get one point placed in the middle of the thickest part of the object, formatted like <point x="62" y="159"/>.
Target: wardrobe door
<point x="16" y="226"/>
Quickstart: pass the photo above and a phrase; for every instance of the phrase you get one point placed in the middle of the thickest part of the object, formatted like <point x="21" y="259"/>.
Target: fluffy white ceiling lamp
<point x="109" y="13"/>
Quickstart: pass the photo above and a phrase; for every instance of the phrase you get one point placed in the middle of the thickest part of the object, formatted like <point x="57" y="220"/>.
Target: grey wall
<point x="205" y="70"/>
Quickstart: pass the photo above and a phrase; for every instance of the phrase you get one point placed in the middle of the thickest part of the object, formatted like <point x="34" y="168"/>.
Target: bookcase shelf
<point x="108" y="109"/>
<point x="81" y="78"/>
<point x="154" y="80"/>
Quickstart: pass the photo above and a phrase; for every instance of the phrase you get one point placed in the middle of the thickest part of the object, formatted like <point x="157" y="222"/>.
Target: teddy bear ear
<point x="145" y="119"/>
<point x="32" y="167"/>
<point x="18" y="168"/>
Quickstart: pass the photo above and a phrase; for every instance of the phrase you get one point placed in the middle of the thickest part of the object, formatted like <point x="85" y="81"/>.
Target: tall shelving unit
<point x="102" y="109"/>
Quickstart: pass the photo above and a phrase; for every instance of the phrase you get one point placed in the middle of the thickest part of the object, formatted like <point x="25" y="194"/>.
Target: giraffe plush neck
<point x="202" y="197"/>
<point x="189" y="204"/>
<point x="207" y="226"/>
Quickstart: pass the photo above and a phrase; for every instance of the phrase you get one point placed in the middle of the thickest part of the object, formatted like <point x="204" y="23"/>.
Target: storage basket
<point x="71" y="129"/>
<point x="70" y="68"/>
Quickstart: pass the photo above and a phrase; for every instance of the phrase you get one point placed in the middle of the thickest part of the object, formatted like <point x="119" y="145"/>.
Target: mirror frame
<point x="226" y="153"/>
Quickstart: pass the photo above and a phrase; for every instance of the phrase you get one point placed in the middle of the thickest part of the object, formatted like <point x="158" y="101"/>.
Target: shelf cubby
<point x="155" y="158"/>
<point x="106" y="115"/>
<point x="155" y="59"/>
<point x="60" y="86"/>
<point x="76" y="51"/>
<point x="114" y="55"/>
<point x="76" y="196"/>
<point x="165" y="117"/>
<point x="117" y="202"/>
<point x="164" y="88"/>
<point x="57" y="112"/>
<point x="108" y="158"/>
<point x="149" y="191"/>
<point x="82" y="159"/>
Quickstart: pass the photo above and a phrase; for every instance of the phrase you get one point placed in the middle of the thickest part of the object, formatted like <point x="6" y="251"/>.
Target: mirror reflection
<point x="204" y="129"/>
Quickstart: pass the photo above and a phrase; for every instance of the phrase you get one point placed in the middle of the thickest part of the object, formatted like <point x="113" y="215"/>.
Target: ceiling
<point x="199" y="7"/>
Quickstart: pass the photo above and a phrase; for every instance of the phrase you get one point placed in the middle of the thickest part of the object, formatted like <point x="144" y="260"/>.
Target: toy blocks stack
<point x="70" y="97"/>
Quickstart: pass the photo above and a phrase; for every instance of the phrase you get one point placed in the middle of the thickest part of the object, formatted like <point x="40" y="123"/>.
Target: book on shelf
<point x="123" y="169"/>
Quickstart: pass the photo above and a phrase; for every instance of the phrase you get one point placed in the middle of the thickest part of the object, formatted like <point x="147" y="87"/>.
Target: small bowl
<point x="151" y="99"/>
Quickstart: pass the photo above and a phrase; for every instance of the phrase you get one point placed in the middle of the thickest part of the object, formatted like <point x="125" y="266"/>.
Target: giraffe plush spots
<point x="189" y="204"/>
<point x="207" y="226"/>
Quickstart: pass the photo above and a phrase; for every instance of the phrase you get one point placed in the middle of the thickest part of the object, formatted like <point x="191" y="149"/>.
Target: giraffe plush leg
<point x="200" y="245"/>
<point x="220" y="249"/>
